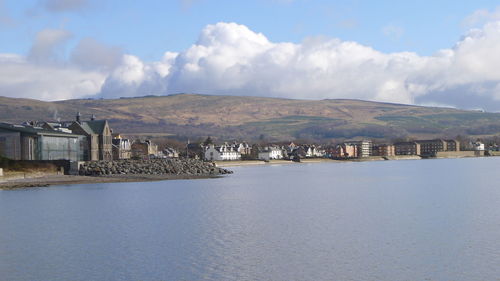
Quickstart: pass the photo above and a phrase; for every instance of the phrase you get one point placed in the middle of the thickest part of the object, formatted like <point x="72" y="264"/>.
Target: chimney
<point x="92" y="118"/>
<point x="78" y="115"/>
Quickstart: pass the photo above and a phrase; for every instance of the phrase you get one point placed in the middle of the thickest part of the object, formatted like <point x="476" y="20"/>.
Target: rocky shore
<point x="151" y="167"/>
<point x="121" y="171"/>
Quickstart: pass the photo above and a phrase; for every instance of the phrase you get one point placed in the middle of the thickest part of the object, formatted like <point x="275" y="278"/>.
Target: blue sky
<point x="424" y="52"/>
<point x="149" y="28"/>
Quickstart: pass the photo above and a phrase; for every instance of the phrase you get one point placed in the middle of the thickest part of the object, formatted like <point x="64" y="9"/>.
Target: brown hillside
<point x="254" y="117"/>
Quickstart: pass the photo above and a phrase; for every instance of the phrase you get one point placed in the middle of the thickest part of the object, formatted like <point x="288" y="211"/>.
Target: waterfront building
<point x="478" y="146"/>
<point x="384" y="150"/>
<point x="313" y="151"/>
<point x="364" y="148"/>
<point x="98" y="135"/>
<point x="407" y="148"/>
<point x="24" y="142"/>
<point x="432" y="147"/>
<point x="221" y="153"/>
<point x="144" y="149"/>
<point x="452" y="145"/>
<point x="346" y="150"/>
<point x="271" y="153"/>
<point x="122" y="147"/>
<point x="170" y="152"/>
<point x="244" y="149"/>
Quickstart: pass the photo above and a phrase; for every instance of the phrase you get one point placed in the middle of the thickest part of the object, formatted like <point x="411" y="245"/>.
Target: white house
<point x="270" y="153"/>
<point x="170" y="152"/>
<point x="244" y="148"/>
<point x="478" y="146"/>
<point x="221" y="153"/>
<point x="312" y="151"/>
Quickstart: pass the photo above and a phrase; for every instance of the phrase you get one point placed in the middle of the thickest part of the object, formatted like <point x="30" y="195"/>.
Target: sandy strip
<point x="66" y="180"/>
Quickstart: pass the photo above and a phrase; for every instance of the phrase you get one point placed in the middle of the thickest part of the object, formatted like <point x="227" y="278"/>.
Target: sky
<point x="436" y="53"/>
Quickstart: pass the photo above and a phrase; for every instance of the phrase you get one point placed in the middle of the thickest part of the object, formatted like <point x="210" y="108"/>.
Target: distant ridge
<point x="253" y="118"/>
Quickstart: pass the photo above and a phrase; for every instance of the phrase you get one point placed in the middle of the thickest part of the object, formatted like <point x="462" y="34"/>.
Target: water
<point x="393" y="220"/>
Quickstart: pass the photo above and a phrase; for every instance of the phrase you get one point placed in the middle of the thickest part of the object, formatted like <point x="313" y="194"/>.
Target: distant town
<point x="94" y="140"/>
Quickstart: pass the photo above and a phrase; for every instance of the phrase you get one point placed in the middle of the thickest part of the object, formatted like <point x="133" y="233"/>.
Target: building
<point x="384" y="150"/>
<point x="99" y="144"/>
<point x="221" y="153"/>
<point x="354" y="149"/>
<point x="407" y="148"/>
<point x="244" y="149"/>
<point x="312" y="151"/>
<point x="432" y="147"/>
<point x="144" y="149"/>
<point x="478" y="146"/>
<point x="346" y="150"/>
<point x="452" y="145"/>
<point x="270" y="153"/>
<point x="170" y="153"/>
<point x="23" y="142"/>
<point x="122" y="147"/>
<point x="364" y="148"/>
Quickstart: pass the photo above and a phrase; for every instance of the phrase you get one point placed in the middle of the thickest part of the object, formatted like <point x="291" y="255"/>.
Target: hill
<point x="252" y="118"/>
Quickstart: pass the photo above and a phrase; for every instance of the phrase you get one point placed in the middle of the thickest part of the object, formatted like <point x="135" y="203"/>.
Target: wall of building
<point x="458" y="154"/>
<point x="105" y="144"/>
<point x="57" y="148"/>
<point x="10" y="145"/>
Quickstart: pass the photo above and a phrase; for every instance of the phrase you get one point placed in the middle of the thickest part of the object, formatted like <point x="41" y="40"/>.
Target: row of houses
<point x="76" y="140"/>
<point x="425" y="148"/>
<point x="346" y="150"/>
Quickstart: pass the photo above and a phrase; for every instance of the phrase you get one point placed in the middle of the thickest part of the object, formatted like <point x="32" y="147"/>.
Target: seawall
<point x="150" y="167"/>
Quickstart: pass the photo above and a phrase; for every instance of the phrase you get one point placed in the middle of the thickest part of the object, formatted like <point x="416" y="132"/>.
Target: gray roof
<point x="96" y="126"/>
<point x="93" y="127"/>
<point x="34" y="130"/>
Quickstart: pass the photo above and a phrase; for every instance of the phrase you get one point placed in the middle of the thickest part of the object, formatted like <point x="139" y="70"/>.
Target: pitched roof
<point x="97" y="126"/>
<point x="93" y="127"/>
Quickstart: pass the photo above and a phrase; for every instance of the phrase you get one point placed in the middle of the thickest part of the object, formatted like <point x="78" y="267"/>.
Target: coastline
<point x="53" y="180"/>
<point x="41" y="179"/>
<point x="228" y="164"/>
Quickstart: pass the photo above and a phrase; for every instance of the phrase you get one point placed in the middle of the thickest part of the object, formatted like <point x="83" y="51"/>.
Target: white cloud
<point x="232" y="59"/>
<point x="134" y="77"/>
<point x="480" y="17"/>
<point x="24" y="79"/>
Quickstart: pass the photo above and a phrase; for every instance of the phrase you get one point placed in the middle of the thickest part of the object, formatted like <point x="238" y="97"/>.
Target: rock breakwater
<point x="151" y="167"/>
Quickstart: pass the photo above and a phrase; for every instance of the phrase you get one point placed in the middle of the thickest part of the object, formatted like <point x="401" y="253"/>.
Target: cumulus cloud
<point x="136" y="78"/>
<point x="229" y="58"/>
<point x="24" y="79"/>
<point x="45" y="74"/>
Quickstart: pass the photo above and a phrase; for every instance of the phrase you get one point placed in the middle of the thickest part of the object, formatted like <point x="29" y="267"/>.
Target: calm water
<point x="393" y="220"/>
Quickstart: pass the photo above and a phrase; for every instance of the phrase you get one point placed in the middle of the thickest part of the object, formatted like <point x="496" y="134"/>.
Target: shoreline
<point x="228" y="164"/>
<point x="54" y="180"/>
<point x="40" y="179"/>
